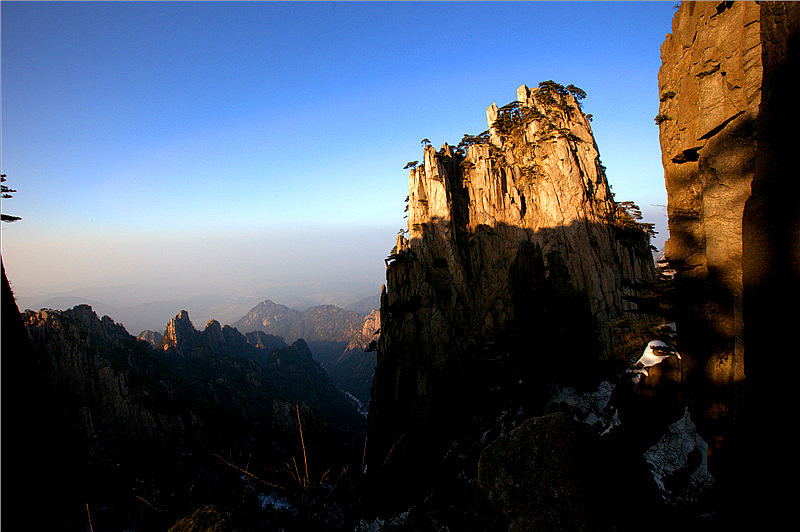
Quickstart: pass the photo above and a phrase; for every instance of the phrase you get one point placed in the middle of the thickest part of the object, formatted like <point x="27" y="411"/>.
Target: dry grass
<point x="89" y="515"/>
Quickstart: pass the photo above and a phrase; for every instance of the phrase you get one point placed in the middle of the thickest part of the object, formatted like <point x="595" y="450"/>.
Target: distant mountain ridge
<point x="151" y="337"/>
<point x="150" y="315"/>
<point x="337" y="337"/>
<point x="366" y="305"/>
<point x="321" y="323"/>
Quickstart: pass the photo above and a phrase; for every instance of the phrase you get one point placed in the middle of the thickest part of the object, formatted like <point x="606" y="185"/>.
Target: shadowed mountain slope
<point x="148" y="422"/>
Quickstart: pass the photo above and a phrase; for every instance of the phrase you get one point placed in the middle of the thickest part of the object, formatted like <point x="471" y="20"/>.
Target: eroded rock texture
<point x="710" y="87"/>
<point x="728" y="122"/>
<point x="516" y="262"/>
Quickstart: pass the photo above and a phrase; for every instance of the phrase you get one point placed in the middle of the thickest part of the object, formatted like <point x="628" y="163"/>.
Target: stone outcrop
<point x="728" y="120"/>
<point x="516" y="262"/>
<point x="180" y="334"/>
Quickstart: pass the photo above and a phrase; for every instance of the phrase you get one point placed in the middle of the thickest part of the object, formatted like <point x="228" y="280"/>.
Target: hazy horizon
<point x="223" y="152"/>
<point x="291" y="277"/>
<point x="154" y="315"/>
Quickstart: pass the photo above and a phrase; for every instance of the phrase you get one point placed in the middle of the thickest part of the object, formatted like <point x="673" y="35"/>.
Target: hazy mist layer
<point x="143" y="281"/>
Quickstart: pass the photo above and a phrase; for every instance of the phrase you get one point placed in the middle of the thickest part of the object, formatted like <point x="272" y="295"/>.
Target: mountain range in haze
<point x="137" y="316"/>
<point x="337" y="338"/>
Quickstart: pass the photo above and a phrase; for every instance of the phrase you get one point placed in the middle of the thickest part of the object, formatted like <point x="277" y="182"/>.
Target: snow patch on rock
<point x="678" y="462"/>
<point x="592" y="408"/>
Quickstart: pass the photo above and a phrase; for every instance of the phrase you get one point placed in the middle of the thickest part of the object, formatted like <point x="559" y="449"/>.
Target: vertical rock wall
<point x="728" y="119"/>
<point x="710" y="91"/>
<point x="771" y="269"/>
<point x="516" y="262"/>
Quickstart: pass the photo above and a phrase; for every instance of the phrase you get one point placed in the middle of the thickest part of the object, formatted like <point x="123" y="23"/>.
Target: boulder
<point x="545" y="475"/>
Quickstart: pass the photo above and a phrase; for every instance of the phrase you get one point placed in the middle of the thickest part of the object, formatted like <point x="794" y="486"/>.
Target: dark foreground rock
<point x="545" y="475"/>
<point x="206" y="418"/>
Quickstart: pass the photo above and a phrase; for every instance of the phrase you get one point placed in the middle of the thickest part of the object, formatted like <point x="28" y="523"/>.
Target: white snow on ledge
<point x="591" y="408"/>
<point x="672" y="452"/>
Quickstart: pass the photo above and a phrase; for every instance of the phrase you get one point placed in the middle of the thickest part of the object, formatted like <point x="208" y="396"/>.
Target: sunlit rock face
<point x="180" y="334"/>
<point x="516" y="261"/>
<point x="728" y="117"/>
<point x="710" y="91"/>
<point x="728" y="127"/>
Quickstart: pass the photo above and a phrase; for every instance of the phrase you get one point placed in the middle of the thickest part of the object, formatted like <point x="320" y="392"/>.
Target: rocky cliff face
<point x="517" y="261"/>
<point x="710" y="91"/>
<point x="726" y="120"/>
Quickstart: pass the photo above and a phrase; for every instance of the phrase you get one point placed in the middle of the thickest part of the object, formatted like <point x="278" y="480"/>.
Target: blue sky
<point x="241" y="148"/>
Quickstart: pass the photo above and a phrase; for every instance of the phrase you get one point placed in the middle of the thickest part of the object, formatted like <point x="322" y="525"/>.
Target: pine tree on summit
<point x="6" y="194"/>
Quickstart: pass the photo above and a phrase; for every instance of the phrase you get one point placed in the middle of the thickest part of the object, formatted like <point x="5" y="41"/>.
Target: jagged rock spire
<point x="180" y="334"/>
<point x="516" y="263"/>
